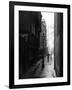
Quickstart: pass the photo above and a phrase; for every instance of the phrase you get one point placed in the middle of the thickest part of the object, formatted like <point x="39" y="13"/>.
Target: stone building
<point x="29" y="40"/>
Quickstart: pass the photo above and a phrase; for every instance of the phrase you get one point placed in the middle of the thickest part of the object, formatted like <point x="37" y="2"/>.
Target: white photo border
<point x="18" y="81"/>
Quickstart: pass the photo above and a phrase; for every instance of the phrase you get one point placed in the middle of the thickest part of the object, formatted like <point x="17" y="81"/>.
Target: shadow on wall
<point x="58" y="44"/>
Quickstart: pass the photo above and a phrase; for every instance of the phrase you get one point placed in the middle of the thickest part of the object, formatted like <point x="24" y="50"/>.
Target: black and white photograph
<point x="38" y="44"/>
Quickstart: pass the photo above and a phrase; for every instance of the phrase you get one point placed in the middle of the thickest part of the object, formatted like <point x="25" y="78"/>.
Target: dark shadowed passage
<point x="40" y="44"/>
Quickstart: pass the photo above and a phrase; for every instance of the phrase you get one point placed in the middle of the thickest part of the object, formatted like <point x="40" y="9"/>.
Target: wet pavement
<point x="42" y="69"/>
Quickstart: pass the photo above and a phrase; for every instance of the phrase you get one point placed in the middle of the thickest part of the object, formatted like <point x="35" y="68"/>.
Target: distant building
<point x="43" y="42"/>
